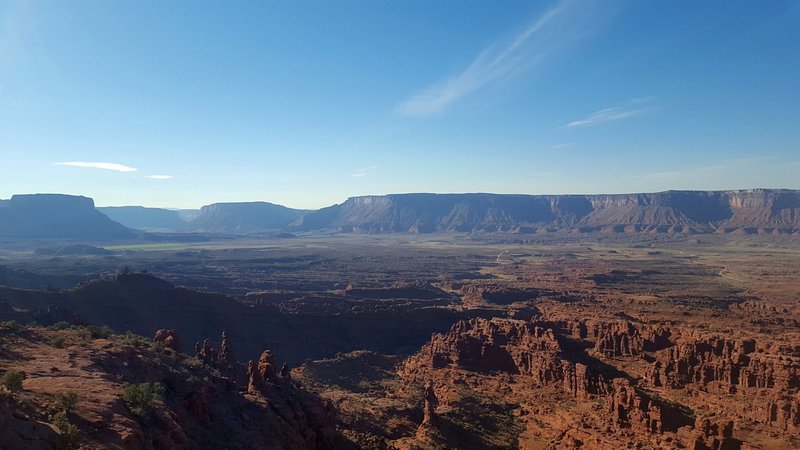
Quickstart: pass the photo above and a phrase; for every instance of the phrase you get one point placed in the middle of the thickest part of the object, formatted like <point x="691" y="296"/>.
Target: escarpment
<point x="762" y="211"/>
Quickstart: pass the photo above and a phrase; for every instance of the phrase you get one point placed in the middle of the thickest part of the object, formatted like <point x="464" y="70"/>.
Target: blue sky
<point x="306" y="103"/>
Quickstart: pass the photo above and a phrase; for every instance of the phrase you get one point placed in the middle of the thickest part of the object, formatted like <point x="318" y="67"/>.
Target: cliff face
<point x="56" y="216"/>
<point x="751" y="211"/>
<point x="243" y="218"/>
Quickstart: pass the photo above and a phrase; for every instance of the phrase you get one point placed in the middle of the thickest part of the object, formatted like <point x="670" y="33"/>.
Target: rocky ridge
<point x="201" y="405"/>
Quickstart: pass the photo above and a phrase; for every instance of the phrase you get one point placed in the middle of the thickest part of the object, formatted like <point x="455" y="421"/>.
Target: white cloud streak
<point x="364" y="172"/>
<point x="605" y="116"/>
<point x="563" y="25"/>
<point x="634" y="107"/>
<point x="99" y="165"/>
<point x="159" y="177"/>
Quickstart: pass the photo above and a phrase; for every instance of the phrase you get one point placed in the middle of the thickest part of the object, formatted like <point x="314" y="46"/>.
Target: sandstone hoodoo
<point x="557" y="358"/>
<point x="266" y="367"/>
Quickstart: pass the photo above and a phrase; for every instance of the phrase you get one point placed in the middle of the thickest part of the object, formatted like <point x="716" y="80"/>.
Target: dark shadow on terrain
<point x="142" y="304"/>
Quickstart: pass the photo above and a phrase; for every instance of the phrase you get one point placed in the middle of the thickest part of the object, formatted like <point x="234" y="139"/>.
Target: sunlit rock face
<point x="761" y="211"/>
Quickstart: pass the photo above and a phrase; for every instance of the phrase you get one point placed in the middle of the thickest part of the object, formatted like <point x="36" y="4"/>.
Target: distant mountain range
<point x="746" y="211"/>
<point x="772" y="211"/>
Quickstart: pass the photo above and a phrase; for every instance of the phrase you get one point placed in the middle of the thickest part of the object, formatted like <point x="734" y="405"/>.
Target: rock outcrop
<point x="730" y="364"/>
<point x="255" y="383"/>
<point x="204" y="352"/>
<point x="226" y="355"/>
<point x="266" y="366"/>
<point x="169" y="338"/>
<point x="783" y="412"/>
<point x="619" y="339"/>
<point x="712" y="435"/>
<point x="532" y="349"/>
<point x="630" y="409"/>
<point x="429" y="407"/>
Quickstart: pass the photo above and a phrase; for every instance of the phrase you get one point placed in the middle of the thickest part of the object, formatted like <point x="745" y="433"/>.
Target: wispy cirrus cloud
<point x="564" y="25"/>
<point x="159" y="177"/>
<point x="364" y="171"/>
<point x="99" y="165"/>
<point x="633" y="108"/>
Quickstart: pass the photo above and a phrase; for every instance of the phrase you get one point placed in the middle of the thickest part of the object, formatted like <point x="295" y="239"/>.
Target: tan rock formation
<point x="204" y="352"/>
<point x="254" y="380"/>
<point x="731" y="364"/>
<point x="629" y="409"/>
<point x="712" y="435"/>
<point x="169" y="338"/>
<point x="429" y="408"/>
<point x="226" y="350"/>
<point x="784" y="412"/>
<point x="266" y="367"/>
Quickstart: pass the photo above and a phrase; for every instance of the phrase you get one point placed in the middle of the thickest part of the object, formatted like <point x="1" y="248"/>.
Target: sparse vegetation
<point x="12" y="326"/>
<point x="134" y="340"/>
<point x="58" y="342"/>
<point x="158" y="347"/>
<point x="70" y="434"/>
<point x="65" y="400"/>
<point x="12" y="380"/>
<point x="140" y="397"/>
<point x="95" y="332"/>
<point x="62" y="325"/>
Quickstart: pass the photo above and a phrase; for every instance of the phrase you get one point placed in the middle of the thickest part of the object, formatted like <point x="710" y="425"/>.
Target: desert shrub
<point x="99" y="332"/>
<point x="62" y="325"/>
<point x="10" y="326"/>
<point x="12" y="380"/>
<point x="140" y="396"/>
<point x="58" y="342"/>
<point x="65" y="400"/>
<point x="69" y="432"/>
<point x="157" y="347"/>
<point x="134" y="340"/>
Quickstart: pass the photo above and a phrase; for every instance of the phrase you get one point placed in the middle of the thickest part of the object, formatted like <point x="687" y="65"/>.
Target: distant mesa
<point x="763" y="211"/>
<point x="739" y="212"/>
<point x="147" y="219"/>
<point x="243" y="218"/>
<point x="56" y="216"/>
